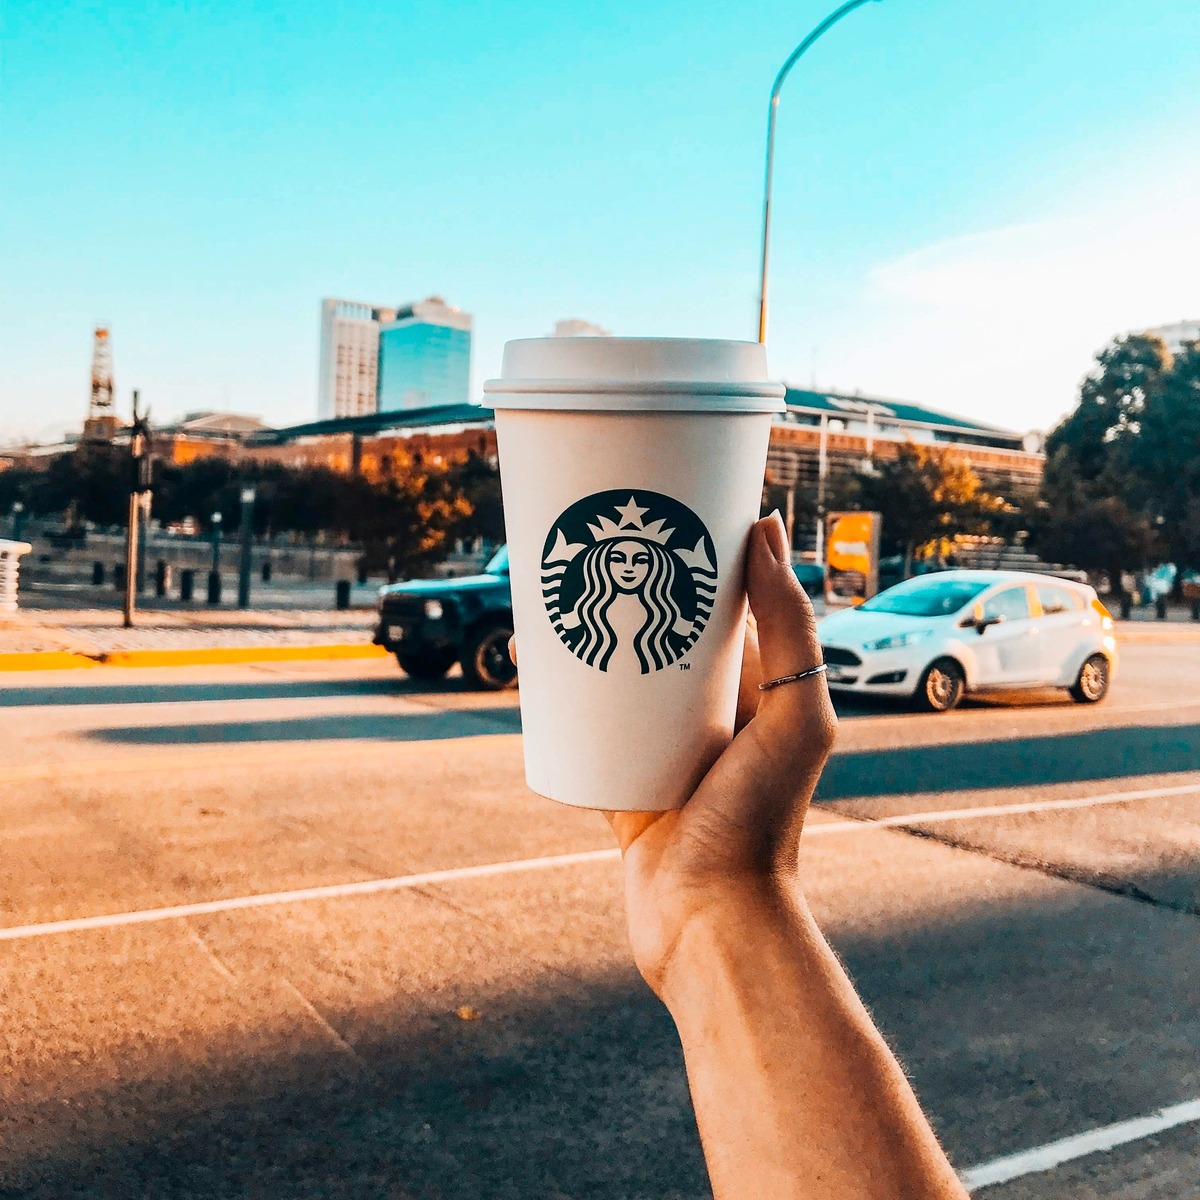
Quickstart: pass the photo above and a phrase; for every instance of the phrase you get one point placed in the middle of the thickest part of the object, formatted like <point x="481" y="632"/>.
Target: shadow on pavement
<point x="1111" y="753"/>
<point x="185" y="693"/>
<point x="854" y="704"/>
<point x="574" y="1088"/>
<point x="385" y="727"/>
<point x="1107" y="754"/>
<point x="67" y="695"/>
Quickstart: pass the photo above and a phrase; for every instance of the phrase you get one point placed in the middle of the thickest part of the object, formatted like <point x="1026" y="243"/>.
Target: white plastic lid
<point x="634" y="374"/>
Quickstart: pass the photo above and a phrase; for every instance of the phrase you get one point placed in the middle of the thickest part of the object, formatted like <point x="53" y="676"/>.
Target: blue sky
<point x="970" y="197"/>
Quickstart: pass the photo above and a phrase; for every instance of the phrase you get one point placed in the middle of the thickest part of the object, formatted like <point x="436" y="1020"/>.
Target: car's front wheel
<point x="486" y="663"/>
<point x="425" y="664"/>
<point x="941" y="687"/>
<point x="1091" y="686"/>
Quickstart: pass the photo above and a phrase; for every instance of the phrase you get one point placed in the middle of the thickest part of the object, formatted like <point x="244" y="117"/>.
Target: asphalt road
<point x="485" y="1035"/>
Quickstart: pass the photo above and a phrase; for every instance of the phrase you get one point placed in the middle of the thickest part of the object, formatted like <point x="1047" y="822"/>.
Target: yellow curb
<point x="236" y="654"/>
<point x="45" y="660"/>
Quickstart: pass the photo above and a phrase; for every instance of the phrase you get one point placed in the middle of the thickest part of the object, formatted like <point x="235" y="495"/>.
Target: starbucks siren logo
<point x="629" y="578"/>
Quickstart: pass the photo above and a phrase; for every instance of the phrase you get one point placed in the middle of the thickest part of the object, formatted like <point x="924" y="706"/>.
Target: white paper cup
<point x="632" y="470"/>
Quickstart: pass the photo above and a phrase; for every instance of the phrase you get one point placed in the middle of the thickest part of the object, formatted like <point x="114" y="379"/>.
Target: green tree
<point x="1121" y="488"/>
<point x="89" y="484"/>
<point x="406" y="523"/>
<point x="22" y="483"/>
<point x="1164" y="457"/>
<point x="479" y="484"/>
<point x="926" y="496"/>
<point x="196" y="489"/>
<point x="1096" y="436"/>
<point x="1078" y="523"/>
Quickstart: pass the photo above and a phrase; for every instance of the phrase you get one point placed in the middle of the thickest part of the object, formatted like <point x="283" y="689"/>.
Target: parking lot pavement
<point x="471" y="1033"/>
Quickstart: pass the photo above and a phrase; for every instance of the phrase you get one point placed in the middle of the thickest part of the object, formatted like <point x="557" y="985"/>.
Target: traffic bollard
<point x="97" y="574"/>
<point x="187" y="584"/>
<point x="162" y="578"/>
<point x="214" y="587"/>
<point x="10" y="562"/>
<point x="266" y="570"/>
<point x="342" y="595"/>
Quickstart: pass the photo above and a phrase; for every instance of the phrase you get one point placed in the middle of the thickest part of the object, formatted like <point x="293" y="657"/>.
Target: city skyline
<point x="954" y="187"/>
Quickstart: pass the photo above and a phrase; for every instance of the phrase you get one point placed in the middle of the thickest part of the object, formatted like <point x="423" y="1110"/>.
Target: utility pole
<point x="246" y="528"/>
<point x="139" y="486"/>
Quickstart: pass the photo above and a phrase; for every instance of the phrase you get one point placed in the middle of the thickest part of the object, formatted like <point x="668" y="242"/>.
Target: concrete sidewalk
<point x="80" y="637"/>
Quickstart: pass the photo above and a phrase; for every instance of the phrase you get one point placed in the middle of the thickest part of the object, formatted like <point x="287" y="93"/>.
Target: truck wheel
<point x="485" y="660"/>
<point x="425" y="664"/>
<point x="1092" y="684"/>
<point x="941" y="687"/>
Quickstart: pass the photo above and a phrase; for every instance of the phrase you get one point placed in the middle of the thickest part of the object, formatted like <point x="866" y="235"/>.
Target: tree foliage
<point x="1121" y="489"/>
<point x="926" y="496"/>
<point x="1113" y="399"/>
<point x="404" y="523"/>
<point x="1081" y="523"/>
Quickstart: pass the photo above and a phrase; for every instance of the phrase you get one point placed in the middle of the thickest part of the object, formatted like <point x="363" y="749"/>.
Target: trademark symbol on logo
<point x="685" y="666"/>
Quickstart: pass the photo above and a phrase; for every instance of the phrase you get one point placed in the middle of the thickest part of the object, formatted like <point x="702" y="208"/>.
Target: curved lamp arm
<point x="829" y="22"/>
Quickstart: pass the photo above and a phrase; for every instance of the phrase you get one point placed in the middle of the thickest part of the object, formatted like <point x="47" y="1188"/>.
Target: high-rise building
<point x="348" y="384"/>
<point x="424" y="357"/>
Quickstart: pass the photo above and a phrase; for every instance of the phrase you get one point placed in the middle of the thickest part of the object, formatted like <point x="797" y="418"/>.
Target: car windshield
<point x="925" y="597"/>
<point x="498" y="563"/>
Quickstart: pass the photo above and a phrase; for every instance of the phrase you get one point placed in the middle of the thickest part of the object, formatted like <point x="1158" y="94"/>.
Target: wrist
<point x="736" y="921"/>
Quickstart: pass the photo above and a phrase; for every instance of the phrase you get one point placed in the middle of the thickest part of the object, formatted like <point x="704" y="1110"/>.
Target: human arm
<point x="796" y="1093"/>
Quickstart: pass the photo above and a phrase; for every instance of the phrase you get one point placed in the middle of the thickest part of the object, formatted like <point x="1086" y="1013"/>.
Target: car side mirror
<point x="980" y="624"/>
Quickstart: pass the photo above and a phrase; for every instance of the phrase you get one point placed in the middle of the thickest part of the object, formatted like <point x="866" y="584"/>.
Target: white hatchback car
<point x="936" y="637"/>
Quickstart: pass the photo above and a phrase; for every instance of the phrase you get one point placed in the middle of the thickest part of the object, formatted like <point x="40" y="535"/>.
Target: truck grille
<point x="403" y="609"/>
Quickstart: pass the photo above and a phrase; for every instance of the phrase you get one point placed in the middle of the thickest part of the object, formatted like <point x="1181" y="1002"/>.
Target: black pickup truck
<point x="431" y="624"/>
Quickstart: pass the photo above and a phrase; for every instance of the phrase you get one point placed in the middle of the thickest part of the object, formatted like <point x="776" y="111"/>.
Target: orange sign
<point x="850" y="542"/>
<point x="851" y="557"/>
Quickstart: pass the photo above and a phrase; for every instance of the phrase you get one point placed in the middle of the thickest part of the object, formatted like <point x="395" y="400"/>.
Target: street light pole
<point x="825" y="25"/>
<point x="246" y="528"/>
<point x="214" y="576"/>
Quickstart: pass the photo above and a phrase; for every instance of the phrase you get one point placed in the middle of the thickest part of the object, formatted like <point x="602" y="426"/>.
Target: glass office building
<point x="425" y="357"/>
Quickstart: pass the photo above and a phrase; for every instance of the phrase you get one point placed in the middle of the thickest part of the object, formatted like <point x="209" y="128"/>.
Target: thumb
<point x="787" y="640"/>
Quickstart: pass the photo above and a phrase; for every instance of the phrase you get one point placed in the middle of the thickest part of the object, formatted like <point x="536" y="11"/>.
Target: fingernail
<point x="776" y="536"/>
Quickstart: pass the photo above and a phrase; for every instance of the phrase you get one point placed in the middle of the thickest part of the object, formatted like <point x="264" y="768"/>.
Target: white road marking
<point x="1095" y="1141"/>
<point x="997" y="810"/>
<point x="367" y="887"/>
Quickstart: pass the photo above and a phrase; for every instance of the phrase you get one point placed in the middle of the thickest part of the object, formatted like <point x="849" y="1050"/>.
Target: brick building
<point x="821" y="433"/>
